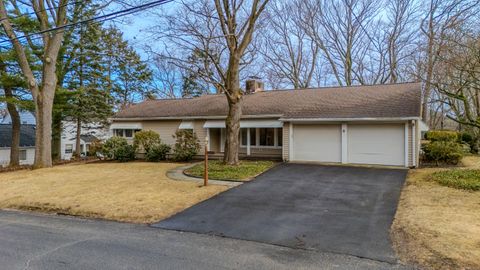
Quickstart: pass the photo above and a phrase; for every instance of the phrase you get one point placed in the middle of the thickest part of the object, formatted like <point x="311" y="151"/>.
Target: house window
<point x="262" y="137"/>
<point x="23" y="155"/>
<point x="128" y="133"/>
<point x="68" y="148"/>
<point x="253" y="136"/>
<point x="267" y="137"/>
<point x="118" y="132"/>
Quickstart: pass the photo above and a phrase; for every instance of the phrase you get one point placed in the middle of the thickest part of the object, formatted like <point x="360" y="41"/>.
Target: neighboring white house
<point x="27" y="144"/>
<point x="27" y="137"/>
<point x="89" y="133"/>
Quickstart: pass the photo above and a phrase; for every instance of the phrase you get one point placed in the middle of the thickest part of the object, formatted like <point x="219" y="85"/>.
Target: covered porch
<point x="259" y="139"/>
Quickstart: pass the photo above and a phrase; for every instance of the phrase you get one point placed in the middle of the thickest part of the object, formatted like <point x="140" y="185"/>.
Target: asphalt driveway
<point x="337" y="209"/>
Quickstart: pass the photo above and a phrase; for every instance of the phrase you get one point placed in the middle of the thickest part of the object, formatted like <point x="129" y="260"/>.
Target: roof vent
<point x="253" y="85"/>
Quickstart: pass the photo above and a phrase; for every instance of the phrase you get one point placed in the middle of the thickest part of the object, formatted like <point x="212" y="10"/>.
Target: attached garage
<point x="378" y="144"/>
<point x="317" y="143"/>
<point x="382" y="144"/>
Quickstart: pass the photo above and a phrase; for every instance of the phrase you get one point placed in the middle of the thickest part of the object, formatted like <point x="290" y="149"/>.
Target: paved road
<point x="35" y="241"/>
<point x="347" y="210"/>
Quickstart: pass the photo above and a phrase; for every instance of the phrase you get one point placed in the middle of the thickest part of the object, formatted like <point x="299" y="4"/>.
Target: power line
<point x="41" y="10"/>
<point x="100" y="18"/>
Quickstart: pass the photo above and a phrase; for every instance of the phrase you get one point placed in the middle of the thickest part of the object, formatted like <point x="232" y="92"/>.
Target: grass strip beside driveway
<point x="137" y="192"/>
<point x="436" y="226"/>
<point x="245" y="171"/>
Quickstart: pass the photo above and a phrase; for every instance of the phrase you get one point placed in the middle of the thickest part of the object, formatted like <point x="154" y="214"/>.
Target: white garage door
<point x="376" y="144"/>
<point x="317" y="143"/>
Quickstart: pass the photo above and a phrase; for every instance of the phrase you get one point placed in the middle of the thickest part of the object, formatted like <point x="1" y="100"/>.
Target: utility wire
<point x="100" y="18"/>
<point x="41" y="10"/>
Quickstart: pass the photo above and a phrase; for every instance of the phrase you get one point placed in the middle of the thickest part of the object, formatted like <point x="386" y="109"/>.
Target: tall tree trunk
<point x="43" y="132"/>
<point x="232" y="125"/>
<point x="78" y="150"/>
<point x="15" y="116"/>
<point x="429" y="67"/>
<point x="235" y="102"/>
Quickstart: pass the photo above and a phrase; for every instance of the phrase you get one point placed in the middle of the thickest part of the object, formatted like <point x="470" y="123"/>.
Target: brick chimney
<point x="253" y="85"/>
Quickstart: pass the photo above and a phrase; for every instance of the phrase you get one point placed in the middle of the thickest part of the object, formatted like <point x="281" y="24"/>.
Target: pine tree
<point x="128" y="76"/>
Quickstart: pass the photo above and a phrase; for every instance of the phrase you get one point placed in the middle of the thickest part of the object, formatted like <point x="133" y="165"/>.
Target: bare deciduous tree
<point x="291" y="56"/>
<point x="213" y="40"/>
<point x="340" y="29"/>
<point x="167" y="78"/>
<point x="49" y="14"/>
<point x="400" y="37"/>
<point x="441" y="17"/>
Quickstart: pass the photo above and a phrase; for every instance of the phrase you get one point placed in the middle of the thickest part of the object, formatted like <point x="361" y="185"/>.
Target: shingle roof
<point x="27" y="135"/>
<point x="88" y="138"/>
<point x="375" y="101"/>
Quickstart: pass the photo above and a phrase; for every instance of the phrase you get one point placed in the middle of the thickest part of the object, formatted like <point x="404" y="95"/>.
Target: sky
<point x="134" y="28"/>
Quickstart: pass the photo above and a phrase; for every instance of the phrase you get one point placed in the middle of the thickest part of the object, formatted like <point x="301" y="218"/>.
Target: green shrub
<point x="462" y="179"/>
<point x="186" y="145"/>
<point x="95" y="147"/>
<point x="442" y="135"/>
<point x="146" y="139"/>
<point x="157" y="152"/>
<point x="449" y="152"/>
<point x="124" y="153"/>
<point x="470" y="139"/>
<point x="111" y="145"/>
<point x="466" y="137"/>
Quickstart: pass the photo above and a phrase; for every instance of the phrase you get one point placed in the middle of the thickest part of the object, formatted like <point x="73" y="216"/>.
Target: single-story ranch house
<point x="377" y="124"/>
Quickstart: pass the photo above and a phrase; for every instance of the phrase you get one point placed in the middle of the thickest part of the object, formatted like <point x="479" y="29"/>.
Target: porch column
<point x="248" y="141"/>
<point x="222" y="140"/>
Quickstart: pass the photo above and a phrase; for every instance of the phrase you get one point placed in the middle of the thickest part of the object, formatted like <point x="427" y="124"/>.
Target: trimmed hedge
<point x="145" y="139"/>
<point x="442" y="135"/>
<point x="157" y="152"/>
<point x="186" y="145"/>
<point x="125" y="153"/>
<point x="111" y="145"/>
<point x="448" y="152"/>
<point x="444" y="147"/>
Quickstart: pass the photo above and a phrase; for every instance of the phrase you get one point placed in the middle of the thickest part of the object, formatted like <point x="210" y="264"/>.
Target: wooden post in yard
<point x="205" y="173"/>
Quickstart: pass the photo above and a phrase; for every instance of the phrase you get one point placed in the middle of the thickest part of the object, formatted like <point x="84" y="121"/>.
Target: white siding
<point x="5" y="156"/>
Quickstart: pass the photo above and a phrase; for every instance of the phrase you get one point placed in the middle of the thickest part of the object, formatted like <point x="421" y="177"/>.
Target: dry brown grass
<point x="133" y="192"/>
<point x="438" y="227"/>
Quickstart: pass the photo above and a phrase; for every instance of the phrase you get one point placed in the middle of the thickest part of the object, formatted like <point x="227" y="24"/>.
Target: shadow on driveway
<point x="336" y="209"/>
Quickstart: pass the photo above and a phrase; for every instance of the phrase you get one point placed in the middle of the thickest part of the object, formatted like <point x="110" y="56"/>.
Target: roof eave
<point x="191" y="117"/>
<point x="373" y="119"/>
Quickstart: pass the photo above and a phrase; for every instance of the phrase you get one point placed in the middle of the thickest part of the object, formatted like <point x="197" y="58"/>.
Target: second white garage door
<point x="382" y="144"/>
<point x="321" y="143"/>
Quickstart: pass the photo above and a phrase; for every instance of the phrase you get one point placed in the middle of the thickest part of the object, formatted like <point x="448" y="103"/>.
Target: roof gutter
<point x="192" y="117"/>
<point x="373" y="119"/>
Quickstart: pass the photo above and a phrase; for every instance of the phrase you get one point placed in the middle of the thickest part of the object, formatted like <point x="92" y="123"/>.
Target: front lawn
<point x="437" y="226"/>
<point x="243" y="172"/>
<point x="135" y="192"/>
